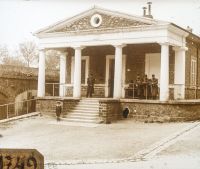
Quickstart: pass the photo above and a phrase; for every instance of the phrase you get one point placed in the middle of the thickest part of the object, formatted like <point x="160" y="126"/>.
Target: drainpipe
<point x="197" y="75"/>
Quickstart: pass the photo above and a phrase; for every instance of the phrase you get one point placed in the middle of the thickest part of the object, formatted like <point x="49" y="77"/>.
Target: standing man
<point x="154" y="87"/>
<point x="138" y="87"/>
<point x="145" y="85"/>
<point x="58" y="110"/>
<point x="90" y="85"/>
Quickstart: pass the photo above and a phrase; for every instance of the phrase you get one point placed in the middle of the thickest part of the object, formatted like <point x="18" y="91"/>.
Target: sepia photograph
<point x="100" y="84"/>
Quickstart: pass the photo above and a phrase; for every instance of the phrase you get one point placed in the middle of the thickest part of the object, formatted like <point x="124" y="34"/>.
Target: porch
<point x="134" y="59"/>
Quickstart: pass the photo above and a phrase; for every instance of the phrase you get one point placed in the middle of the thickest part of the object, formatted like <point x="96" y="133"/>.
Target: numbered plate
<point x="21" y="159"/>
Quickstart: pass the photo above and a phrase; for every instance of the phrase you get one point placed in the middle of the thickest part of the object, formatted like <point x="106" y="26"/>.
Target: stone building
<point x="115" y="47"/>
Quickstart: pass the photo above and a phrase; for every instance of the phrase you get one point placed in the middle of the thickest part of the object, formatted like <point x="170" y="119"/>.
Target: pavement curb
<point x="20" y="117"/>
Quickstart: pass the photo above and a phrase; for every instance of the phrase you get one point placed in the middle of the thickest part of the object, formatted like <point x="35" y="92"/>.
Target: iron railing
<point x="18" y="108"/>
<point x="53" y="89"/>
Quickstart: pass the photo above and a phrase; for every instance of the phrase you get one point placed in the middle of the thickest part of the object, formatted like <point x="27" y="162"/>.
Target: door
<point x="111" y="77"/>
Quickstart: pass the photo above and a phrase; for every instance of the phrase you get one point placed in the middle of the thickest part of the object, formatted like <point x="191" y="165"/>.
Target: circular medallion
<point x="96" y="20"/>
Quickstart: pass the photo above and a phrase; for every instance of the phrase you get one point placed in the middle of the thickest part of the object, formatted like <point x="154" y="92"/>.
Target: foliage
<point x="52" y="59"/>
<point x="29" y="52"/>
<point x="7" y="59"/>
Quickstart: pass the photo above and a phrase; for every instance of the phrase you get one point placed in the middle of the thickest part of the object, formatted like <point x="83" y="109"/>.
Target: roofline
<point x="96" y="8"/>
<point x="185" y="30"/>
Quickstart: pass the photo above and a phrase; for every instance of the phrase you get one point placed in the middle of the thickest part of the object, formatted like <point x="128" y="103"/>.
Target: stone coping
<point x="57" y="98"/>
<point x="170" y="102"/>
<point x="112" y="100"/>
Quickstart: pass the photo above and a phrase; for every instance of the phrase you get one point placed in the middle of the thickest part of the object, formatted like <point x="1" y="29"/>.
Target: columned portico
<point x="164" y="72"/>
<point x="62" y="73"/>
<point x="179" y="77"/>
<point x="41" y="74"/>
<point x="77" y="73"/>
<point x="118" y="72"/>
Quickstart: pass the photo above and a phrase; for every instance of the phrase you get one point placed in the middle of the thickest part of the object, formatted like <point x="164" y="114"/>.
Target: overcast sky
<point x="19" y="18"/>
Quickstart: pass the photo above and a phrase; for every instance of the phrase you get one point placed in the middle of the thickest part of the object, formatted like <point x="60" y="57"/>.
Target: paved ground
<point x="63" y="143"/>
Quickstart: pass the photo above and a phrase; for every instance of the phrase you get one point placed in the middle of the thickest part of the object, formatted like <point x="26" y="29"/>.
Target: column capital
<point x="164" y="43"/>
<point x="78" y="47"/>
<point x="180" y="48"/>
<point x="119" y="45"/>
<point x="41" y="48"/>
<point x="62" y="52"/>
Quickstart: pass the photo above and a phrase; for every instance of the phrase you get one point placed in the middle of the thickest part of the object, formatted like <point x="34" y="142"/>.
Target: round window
<point x="96" y="20"/>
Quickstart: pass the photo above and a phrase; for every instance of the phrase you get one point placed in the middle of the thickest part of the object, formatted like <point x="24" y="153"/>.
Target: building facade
<point x="115" y="47"/>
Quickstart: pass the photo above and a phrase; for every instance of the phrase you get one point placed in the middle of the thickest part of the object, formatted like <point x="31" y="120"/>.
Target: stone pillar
<point x="77" y="73"/>
<point x="41" y="74"/>
<point x="179" y="73"/>
<point x="118" y="72"/>
<point x="62" y="89"/>
<point x="164" y="72"/>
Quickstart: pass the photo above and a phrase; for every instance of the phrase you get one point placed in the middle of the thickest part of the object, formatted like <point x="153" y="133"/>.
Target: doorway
<point x="110" y="73"/>
<point x="111" y="77"/>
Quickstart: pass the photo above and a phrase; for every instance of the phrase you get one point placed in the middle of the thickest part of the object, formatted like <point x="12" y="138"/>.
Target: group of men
<point x="145" y="88"/>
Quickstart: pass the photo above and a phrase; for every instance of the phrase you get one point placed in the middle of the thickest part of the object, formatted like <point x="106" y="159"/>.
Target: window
<point x="193" y="71"/>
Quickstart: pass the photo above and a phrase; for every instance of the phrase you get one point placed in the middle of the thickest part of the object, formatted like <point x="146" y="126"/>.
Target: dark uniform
<point x="58" y="110"/>
<point x="138" y="87"/>
<point x="154" y="87"/>
<point x="145" y="86"/>
<point x="90" y="86"/>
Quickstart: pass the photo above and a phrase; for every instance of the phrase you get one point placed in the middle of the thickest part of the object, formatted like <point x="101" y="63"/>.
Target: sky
<point x="21" y="18"/>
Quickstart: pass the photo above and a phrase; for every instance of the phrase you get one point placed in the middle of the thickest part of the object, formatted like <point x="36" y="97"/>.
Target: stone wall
<point x="15" y="80"/>
<point x="109" y="110"/>
<point x="155" y="111"/>
<point x="47" y="105"/>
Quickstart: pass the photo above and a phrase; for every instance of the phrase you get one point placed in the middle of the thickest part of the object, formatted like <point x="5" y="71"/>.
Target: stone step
<point x="86" y="108"/>
<point x="72" y="116"/>
<point x="83" y="114"/>
<point x="80" y="120"/>
<point x="83" y="111"/>
<point x="89" y="100"/>
<point x="89" y="103"/>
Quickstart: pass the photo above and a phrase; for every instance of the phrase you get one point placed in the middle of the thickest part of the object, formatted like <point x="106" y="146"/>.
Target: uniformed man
<point x="90" y="85"/>
<point x="154" y="87"/>
<point x="145" y="86"/>
<point x="138" y="87"/>
<point x="58" y="110"/>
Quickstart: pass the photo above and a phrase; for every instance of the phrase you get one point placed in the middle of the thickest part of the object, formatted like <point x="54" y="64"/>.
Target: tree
<point x="52" y="59"/>
<point x="29" y="52"/>
<point x="13" y="61"/>
<point x="3" y="52"/>
<point x="7" y="59"/>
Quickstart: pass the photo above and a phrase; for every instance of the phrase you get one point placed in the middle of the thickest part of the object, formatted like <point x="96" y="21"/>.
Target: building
<point x="115" y="47"/>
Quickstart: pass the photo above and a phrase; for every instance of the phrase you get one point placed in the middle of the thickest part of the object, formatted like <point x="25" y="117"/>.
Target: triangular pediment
<point x="108" y="20"/>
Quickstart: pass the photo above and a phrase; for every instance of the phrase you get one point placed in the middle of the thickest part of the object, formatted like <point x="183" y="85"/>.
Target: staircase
<point x="87" y="111"/>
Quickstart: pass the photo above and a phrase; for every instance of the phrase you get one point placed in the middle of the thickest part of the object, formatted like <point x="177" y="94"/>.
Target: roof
<point x="110" y="20"/>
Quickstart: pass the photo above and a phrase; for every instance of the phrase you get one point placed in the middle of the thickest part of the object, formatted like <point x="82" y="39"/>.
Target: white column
<point x="164" y="72"/>
<point x="118" y="72"/>
<point x="41" y="74"/>
<point x="77" y="73"/>
<point x="179" y="76"/>
<point x="62" y="90"/>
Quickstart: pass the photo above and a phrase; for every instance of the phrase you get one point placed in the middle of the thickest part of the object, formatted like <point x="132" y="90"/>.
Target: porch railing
<point x="52" y="89"/>
<point x="18" y="108"/>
